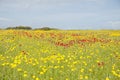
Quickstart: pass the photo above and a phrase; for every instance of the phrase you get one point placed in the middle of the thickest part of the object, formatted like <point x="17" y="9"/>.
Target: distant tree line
<point x="29" y="28"/>
<point x="46" y="28"/>
<point x="20" y="27"/>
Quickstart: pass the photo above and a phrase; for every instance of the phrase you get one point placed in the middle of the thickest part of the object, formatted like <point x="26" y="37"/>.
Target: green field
<point x="60" y="55"/>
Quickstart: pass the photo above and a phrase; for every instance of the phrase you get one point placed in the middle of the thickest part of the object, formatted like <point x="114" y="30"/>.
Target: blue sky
<point x="63" y="14"/>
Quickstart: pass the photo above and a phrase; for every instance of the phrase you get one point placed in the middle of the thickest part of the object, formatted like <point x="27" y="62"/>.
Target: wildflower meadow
<point x="60" y="55"/>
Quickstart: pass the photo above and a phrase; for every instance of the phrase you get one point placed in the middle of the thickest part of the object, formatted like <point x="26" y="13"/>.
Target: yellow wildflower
<point x="82" y="70"/>
<point x="33" y="77"/>
<point x="107" y="78"/>
<point x="19" y="69"/>
<point x="36" y="78"/>
<point x="25" y="75"/>
<point x="86" y="77"/>
<point x="66" y="79"/>
<point x="13" y="65"/>
<point x="81" y="76"/>
<point x="41" y="72"/>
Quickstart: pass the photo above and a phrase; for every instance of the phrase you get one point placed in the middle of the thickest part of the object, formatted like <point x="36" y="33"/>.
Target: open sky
<point x="62" y="14"/>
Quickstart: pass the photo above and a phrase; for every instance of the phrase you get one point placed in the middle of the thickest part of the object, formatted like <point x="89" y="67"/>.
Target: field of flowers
<point x="59" y="55"/>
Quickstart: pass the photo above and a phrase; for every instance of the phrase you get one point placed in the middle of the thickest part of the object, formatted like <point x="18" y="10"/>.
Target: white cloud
<point x="4" y="19"/>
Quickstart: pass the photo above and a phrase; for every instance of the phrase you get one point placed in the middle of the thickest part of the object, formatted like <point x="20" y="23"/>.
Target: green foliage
<point x="46" y="28"/>
<point x="20" y="27"/>
<point x="29" y="28"/>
